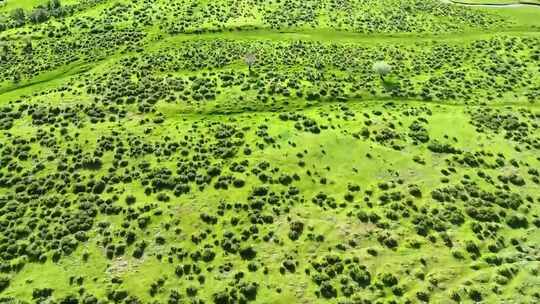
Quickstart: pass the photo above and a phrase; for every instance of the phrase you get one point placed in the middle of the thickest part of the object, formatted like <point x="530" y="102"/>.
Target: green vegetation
<point x="289" y="151"/>
<point x="499" y="1"/>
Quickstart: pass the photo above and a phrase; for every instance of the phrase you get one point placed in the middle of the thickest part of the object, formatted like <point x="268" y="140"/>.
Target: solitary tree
<point x="3" y="21"/>
<point x="4" y="46"/>
<point x="17" y="77"/>
<point x="19" y="16"/>
<point x="250" y="60"/>
<point x="382" y="68"/>
<point x="28" y="47"/>
<point x="39" y="15"/>
<point x="55" y="8"/>
<point x="4" y="50"/>
<point x="54" y="4"/>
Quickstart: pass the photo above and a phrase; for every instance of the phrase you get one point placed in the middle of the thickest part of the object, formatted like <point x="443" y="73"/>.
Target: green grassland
<point x="226" y="152"/>
<point x="500" y="2"/>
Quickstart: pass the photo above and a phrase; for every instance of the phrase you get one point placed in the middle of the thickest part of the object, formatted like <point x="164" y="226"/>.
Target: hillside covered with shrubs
<point x="282" y="151"/>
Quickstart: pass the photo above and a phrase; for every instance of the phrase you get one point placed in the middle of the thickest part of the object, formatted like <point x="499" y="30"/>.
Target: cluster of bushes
<point x="418" y="133"/>
<point x="83" y="177"/>
<point x="268" y="86"/>
<point x="19" y="17"/>
<point x="384" y="16"/>
<point x="22" y="62"/>
<point x="42" y="13"/>
<point x="347" y="277"/>
<point x="515" y="126"/>
<point x="438" y="147"/>
<point x="241" y="292"/>
<point x="83" y="172"/>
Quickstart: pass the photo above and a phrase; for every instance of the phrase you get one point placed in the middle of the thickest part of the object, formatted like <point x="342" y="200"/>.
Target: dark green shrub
<point x="4" y="283"/>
